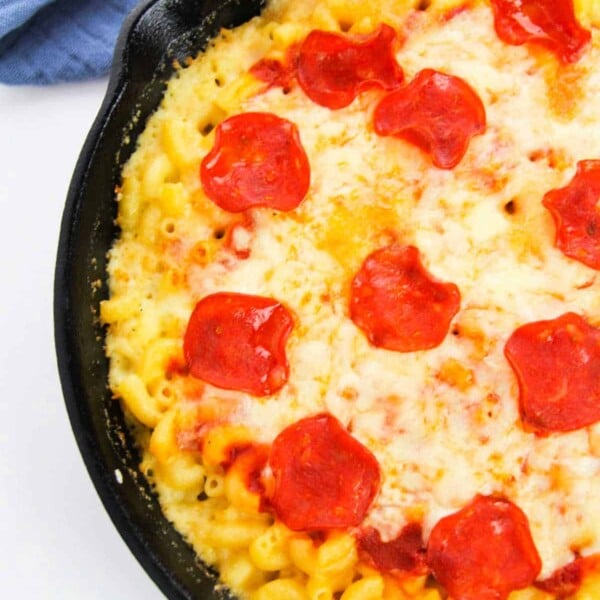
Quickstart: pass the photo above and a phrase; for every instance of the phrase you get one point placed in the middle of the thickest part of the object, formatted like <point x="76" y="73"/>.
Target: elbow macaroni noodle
<point x="164" y="262"/>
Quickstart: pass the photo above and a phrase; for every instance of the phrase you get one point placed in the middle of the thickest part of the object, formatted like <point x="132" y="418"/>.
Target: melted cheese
<point x="444" y="423"/>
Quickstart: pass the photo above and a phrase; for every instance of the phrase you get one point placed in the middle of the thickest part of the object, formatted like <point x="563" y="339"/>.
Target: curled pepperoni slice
<point x="324" y="478"/>
<point x="557" y="364"/>
<point x="257" y="160"/>
<point x="333" y="68"/>
<point x="237" y="342"/>
<point x="551" y="23"/>
<point x="398" y="304"/>
<point x="484" y="551"/>
<point x="406" y="552"/>
<point x="576" y="214"/>
<point x="437" y="112"/>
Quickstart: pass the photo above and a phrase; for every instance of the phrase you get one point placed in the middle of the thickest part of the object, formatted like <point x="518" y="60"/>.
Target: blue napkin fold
<point x="49" y="41"/>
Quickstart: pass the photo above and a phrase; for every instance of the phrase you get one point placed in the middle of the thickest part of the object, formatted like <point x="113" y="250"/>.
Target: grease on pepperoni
<point x="550" y="23"/>
<point x="404" y="553"/>
<point x="333" y="68"/>
<point x="399" y="304"/>
<point x="557" y="365"/>
<point x="257" y="161"/>
<point x="437" y="112"/>
<point x="237" y="342"/>
<point x="323" y="477"/>
<point x="484" y="551"/>
<point x="576" y="214"/>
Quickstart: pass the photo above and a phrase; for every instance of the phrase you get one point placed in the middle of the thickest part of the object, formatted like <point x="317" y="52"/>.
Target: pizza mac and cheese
<point x="355" y="306"/>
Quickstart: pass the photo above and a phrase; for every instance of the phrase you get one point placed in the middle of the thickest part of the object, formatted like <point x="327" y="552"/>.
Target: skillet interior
<point x="157" y="33"/>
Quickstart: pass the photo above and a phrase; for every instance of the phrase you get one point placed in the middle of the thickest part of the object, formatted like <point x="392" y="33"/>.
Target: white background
<point x="56" y="540"/>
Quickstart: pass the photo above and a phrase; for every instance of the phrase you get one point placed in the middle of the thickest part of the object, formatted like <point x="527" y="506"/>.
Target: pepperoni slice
<point x="437" y="112"/>
<point x="576" y="214"/>
<point x="406" y="552"/>
<point x="551" y="23"/>
<point x="557" y="364"/>
<point x="323" y="477"/>
<point x="484" y="551"/>
<point x="398" y="304"/>
<point x="257" y="160"/>
<point x="237" y="342"/>
<point x="333" y="68"/>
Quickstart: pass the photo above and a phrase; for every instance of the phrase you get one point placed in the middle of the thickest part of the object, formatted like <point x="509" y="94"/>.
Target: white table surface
<point x="56" y="540"/>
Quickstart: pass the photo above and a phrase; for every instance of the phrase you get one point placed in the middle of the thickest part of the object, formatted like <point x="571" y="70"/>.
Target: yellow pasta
<point x="179" y="137"/>
<point x="269" y="551"/>
<point x="149" y="223"/>
<point x="214" y="485"/>
<point x="348" y="12"/>
<point x="163" y="441"/>
<point x="286" y="34"/>
<point x="156" y="358"/>
<point x="119" y="309"/>
<point x="291" y="589"/>
<point x="239" y="572"/>
<point x="303" y="554"/>
<point x="236" y="534"/>
<point x="129" y="203"/>
<point x="183" y="473"/>
<point x="235" y="92"/>
<point x="588" y="11"/>
<point x="369" y="588"/>
<point x="157" y="172"/>
<point x="220" y="439"/>
<point x="590" y="589"/>
<point x="136" y="398"/>
<point x="319" y="588"/>
<point x="413" y="586"/>
<point x="173" y="199"/>
<point x="237" y="492"/>
<point x="529" y="594"/>
<point x="337" y="554"/>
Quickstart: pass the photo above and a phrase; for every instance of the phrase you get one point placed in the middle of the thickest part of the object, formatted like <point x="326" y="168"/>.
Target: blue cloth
<point x="48" y="41"/>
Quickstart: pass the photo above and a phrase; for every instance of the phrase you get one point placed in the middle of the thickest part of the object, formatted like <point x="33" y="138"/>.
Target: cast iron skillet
<point x="156" y="33"/>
